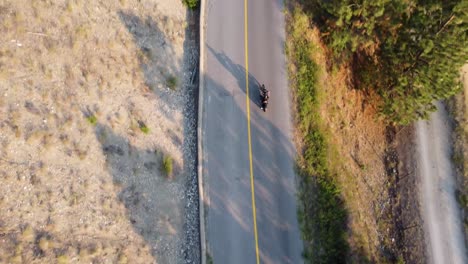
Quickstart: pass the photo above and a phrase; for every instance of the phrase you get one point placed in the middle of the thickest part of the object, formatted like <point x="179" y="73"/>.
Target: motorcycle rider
<point x="265" y="95"/>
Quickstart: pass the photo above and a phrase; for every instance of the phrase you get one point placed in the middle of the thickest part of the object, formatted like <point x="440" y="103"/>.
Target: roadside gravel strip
<point x="191" y="248"/>
<point x="440" y="210"/>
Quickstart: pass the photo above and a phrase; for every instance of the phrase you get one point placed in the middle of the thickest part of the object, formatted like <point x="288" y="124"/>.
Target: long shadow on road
<point x="229" y="185"/>
<point x="238" y="72"/>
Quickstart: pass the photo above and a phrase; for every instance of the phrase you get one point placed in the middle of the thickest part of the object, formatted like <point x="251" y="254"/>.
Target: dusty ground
<point x="383" y="223"/>
<point x="93" y="95"/>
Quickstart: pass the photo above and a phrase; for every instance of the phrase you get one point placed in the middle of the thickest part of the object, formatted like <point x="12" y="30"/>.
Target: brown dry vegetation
<point x="80" y="179"/>
<point x="383" y="218"/>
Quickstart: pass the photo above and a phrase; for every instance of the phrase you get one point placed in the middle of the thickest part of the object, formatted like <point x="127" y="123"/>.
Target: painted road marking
<point x="252" y="187"/>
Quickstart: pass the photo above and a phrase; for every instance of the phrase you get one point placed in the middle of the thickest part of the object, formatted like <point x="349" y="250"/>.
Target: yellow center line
<point x="252" y="187"/>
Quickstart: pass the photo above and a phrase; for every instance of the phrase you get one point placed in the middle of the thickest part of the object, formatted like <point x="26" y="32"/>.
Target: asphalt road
<point x="226" y="161"/>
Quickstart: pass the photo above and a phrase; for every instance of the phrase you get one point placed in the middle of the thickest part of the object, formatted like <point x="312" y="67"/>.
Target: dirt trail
<point x="440" y="210"/>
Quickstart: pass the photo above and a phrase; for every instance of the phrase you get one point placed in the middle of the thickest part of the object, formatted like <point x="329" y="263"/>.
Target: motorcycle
<point x="264" y="96"/>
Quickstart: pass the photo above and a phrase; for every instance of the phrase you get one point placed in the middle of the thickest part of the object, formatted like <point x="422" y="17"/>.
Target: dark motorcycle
<point x="264" y="96"/>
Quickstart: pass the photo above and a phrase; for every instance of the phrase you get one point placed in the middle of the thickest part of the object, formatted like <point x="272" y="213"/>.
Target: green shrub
<point x="192" y="4"/>
<point x="209" y="259"/>
<point x="167" y="166"/>
<point x="143" y="127"/>
<point x="92" y="119"/>
<point x="171" y="82"/>
<point x="409" y="52"/>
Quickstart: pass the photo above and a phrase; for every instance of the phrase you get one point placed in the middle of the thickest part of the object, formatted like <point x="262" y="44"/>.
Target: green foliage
<point x="400" y="260"/>
<point x="167" y="166"/>
<point x="423" y="62"/>
<point x="92" y="119"/>
<point x="462" y="198"/>
<point x="322" y="215"/>
<point x="192" y="4"/>
<point x="409" y="51"/>
<point x="143" y="127"/>
<point x="209" y="259"/>
<point x="171" y="82"/>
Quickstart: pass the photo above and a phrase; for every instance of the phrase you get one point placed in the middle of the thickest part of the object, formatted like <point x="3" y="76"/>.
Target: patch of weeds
<point x="400" y="260"/>
<point x="462" y="199"/>
<point x="321" y="213"/>
<point x="17" y="131"/>
<point x="102" y="136"/>
<point x="46" y="140"/>
<point x="28" y="234"/>
<point x="44" y="243"/>
<point x="122" y="259"/>
<point x="74" y="199"/>
<point x="143" y="127"/>
<point x="69" y="7"/>
<point x="171" y="82"/>
<point x="62" y="259"/>
<point x="134" y="126"/>
<point x="19" y="249"/>
<point x="363" y="167"/>
<point x="143" y="56"/>
<point x="81" y="154"/>
<point x="209" y="259"/>
<point x="51" y="45"/>
<point x="82" y="32"/>
<point x="16" y="259"/>
<point x="458" y="159"/>
<point x="192" y="4"/>
<point x="92" y="119"/>
<point x="167" y="166"/>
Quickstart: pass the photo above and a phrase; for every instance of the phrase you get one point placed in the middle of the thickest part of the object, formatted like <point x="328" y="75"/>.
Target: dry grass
<point x="358" y="140"/>
<point x="70" y="88"/>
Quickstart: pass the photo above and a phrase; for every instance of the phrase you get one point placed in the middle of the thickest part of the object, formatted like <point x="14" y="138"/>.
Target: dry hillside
<point x="94" y="95"/>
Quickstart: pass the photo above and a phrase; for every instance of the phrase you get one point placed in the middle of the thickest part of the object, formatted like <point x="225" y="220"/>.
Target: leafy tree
<point x="423" y="62"/>
<point x="409" y="51"/>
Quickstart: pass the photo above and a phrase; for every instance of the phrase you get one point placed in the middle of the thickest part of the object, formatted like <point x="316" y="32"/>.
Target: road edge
<point x="201" y="87"/>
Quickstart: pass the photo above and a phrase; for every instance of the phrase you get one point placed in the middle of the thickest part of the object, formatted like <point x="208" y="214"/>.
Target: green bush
<point x="92" y="119"/>
<point x="409" y="52"/>
<point x="192" y="4"/>
<point x="167" y="166"/>
<point x="171" y="82"/>
<point x="143" y="127"/>
<point x="209" y="259"/>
